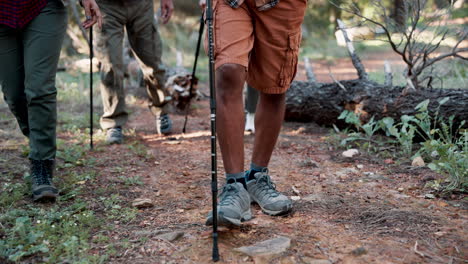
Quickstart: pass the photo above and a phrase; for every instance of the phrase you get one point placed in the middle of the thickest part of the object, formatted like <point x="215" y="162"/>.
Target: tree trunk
<point x="399" y="14"/>
<point x="322" y="103"/>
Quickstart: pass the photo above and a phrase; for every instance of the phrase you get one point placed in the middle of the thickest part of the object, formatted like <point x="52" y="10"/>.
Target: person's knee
<point x="230" y="75"/>
<point x="230" y="80"/>
<point x="111" y="75"/>
<point x="14" y="99"/>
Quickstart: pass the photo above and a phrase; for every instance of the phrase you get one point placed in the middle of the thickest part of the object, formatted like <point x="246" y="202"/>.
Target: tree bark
<point x="322" y="103"/>
<point x="399" y="14"/>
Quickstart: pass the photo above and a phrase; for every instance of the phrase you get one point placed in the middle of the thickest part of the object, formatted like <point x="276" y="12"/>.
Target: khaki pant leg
<point x="145" y="42"/>
<point x="109" y="50"/>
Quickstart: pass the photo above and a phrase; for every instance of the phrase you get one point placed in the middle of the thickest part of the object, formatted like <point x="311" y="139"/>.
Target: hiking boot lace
<point x="229" y="194"/>
<point x="164" y="121"/>
<point x="40" y="176"/>
<point x="116" y="132"/>
<point x="266" y="186"/>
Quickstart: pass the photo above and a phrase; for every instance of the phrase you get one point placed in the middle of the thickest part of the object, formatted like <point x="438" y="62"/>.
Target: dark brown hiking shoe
<point x="41" y="175"/>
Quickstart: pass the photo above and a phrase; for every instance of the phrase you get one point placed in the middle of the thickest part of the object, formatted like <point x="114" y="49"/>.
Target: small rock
<point x="265" y="248"/>
<point x="308" y="260"/>
<point x="360" y="166"/>
<point x="389" y="161"/>
<point x="401" y="189"/>
<point x="172" y="236"/>
<point x="350" y="153"/>
<point x="418" y="162"/>
<point x="310" y="163"/>
<point x="295" y="190"/>
<point x="401" y="196"/>
<point x="180" y="210"/>
<point x="359" y="251"/>
<point x="346" y="172"/>
<point x="295" y="198"/>
<point x="142" y="203"/>
<point x="149" y="233"/>
<point x="439" y="234"/>
<point x="312" y="198"/>
<point x="429" y="196"/>
<point x="172" y="142"/>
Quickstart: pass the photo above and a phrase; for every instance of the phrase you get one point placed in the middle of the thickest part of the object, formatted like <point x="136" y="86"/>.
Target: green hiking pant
<point x="28" y="63"/>
<point x="137" y="17"/>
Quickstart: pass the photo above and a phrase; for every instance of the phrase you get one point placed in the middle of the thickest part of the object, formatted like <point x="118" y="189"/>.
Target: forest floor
<point x="372" y="208"/>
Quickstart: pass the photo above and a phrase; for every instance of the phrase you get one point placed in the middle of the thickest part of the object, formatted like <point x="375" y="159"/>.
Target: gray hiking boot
<point x="41" y="175"/>
<point x="263" y="191"/>
<point x="114" y="135"/>
<point x="234" y="206"/>
<point x="164" y="124"/>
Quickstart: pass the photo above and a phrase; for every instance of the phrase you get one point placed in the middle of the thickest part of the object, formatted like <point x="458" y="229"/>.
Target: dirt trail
<point x="346" y="214"/>
<point x="359" y="210"/>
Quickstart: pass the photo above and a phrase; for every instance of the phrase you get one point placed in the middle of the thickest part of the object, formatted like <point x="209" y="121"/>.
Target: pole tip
<point x="215" y="256"/>
<point x="215" y="247"/>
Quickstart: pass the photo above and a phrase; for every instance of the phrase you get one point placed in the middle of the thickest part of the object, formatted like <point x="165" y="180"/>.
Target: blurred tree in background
<point x="180" y="34"/>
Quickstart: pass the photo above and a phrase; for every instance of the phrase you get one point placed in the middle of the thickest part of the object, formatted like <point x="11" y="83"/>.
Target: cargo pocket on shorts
<point x="289" y="67"/>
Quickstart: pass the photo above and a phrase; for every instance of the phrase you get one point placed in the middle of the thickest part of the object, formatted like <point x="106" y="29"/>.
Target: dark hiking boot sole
<point x="44" y="193"/>
<point x="46" y="196"/>
<point x="284" y="211"/>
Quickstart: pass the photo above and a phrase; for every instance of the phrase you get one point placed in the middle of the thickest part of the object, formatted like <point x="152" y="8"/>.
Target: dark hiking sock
<point x="254" y="168"/>
<point x="236" y="177"/>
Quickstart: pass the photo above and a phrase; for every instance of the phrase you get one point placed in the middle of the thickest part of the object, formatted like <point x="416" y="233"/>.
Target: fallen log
<point x="322" y="103"/>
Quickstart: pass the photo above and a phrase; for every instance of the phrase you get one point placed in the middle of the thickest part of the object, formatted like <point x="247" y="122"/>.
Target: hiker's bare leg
<point x="230" y="80"/>
<point x="268" y="120"/>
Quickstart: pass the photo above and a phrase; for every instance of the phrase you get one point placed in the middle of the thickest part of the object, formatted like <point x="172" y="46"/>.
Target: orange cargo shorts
<point x="266" y="43"/>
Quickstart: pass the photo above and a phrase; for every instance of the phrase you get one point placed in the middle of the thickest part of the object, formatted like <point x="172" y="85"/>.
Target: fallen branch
<point x="336" y="81"/>
<point x="415" y="249"/>
<point x="362" y="74"/>
<point x="309" y="71"/>
<point x="322" y="103"/>
<point x="388" y="74"/>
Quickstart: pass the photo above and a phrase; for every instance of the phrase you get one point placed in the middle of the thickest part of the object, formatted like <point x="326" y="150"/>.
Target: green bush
<point x="445" y="146"/>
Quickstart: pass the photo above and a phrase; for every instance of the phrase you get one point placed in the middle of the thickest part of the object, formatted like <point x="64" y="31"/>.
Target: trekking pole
<point x="91" y="87"/>
<point x="214" y="167"/>
<point x="194" y="79"/>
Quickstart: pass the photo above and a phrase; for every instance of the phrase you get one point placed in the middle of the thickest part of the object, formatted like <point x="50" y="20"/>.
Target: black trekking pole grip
<point x="214" y="167"/>
<point x="91" y="87"/>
